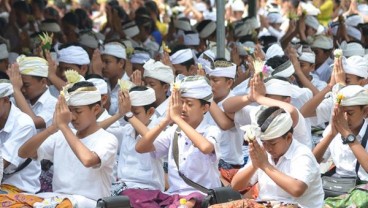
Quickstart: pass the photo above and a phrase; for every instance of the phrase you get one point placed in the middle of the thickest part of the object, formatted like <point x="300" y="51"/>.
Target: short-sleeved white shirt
<point x="319" y="84"/>
<point x="114" y="94"/>
<point x="138" y="170"/>
<point x="160" y="112"/>
<point x="17" y="130"/>
<point x="342" y="156"/>
<point x="114" y="128"/>
<point x="200" y="168"/>
<point x="70" y="176"/>
<point x="324" y="71"/>
<point x="230" y="141"/>
<point x="298" y="162"/>
<point x="45" y="107"/>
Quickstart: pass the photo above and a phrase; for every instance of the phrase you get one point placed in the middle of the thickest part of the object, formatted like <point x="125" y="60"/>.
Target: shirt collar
<point x="161" y="109"/>
<point x="44" y="97"/>
<point x="362" y="130"/>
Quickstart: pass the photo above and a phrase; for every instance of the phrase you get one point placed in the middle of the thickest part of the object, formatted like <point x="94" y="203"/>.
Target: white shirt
<point x="138" y="170"/>
<point x="70" y="176"/>
<point x="114" y="94"/>
<point x="298" y="162"/>
<point x="18" y="128"/>
<point x="324" y="71"/>
<point x="200" y="168"/>
<point x="242" y="88"/>
<point x="319" y="84"/>
<point x="114" y="128"/>
<point x="45" y="107"/>
<point x="230" y="141"/>
<point x="160" y="112"/>
<point x="342" y="156"/>
<point x="324" y="109"/>
<point x="300" y="95"/>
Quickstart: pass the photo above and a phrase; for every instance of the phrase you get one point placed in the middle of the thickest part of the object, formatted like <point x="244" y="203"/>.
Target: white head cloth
<point x="6" y="88"/>
<point x="323" y="42"/>
<point x="33" y="66"/>
<point x="207" y="61"/>
<point x="281" y="124"/>
<point x="130" y="29"/>
<point x="307" y="56"/>
<point x="100" y="84"/>
<point x="182" y="24"/>
<point x="284" y="70"/>
<point x="159" y="71"/>
<point x="73" y="55"/>
<point x="243" y="47"/>
<point x="354" y="32"/>
<point x="312" y="22"/>
<point x="207" y="30"/>
<point x="82" y="96"/>
<point x="142" y="98"/>
<point x="218" y="71"/>
<point x="50" y="27"/>
<point x="237" y="6"/>
<point x="309" y="8"/>
<point x="352" y="49"/>
<point x="181" y="56"/>
<point x="114" y="49"/>
<point x="88" y="40"/>
<point x="191" y="39"/>
<point x="197" y="87"/>
<point x="274" y="50"/>
<point x="353" y="95"/>
<point x="354" y="20"/>
<point x="4" y="54"/>
<point x="363" y="9"/>
<point x="242" y="29"/>
<point x="140" y="57"/>
<point x="274" y="17"/>
<point x="356" y="65"/>
<point x="278" y="87"/>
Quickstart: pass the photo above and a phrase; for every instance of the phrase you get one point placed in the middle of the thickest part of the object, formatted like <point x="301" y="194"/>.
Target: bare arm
<point x="309" y="108"/>
<point x="321" y="147"/>
<point x="221" y="119"/>
<point x="241" y="178"/>
<point x="236" y="103"/>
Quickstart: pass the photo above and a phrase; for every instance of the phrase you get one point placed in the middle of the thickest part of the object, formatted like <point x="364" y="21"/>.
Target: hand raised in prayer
<point x="63" y="116"/>
<point x="166" y="60"/>
<point x="258" y="155"/>
<point x="15" y="76"/>
<point x="136" y="78"/>
<point x="340" y="76"/>
<point x="258" y="52"/>
<point x="200" y="71"/>
<point x="97" y="64"/>
<point x="175" y="109"/>
<point x="258" y="88"/>
<point x="339" y="121"/>
<point x="235" y="55"/>
<point x="52" y="64"/>
<point x="124" y="103"/>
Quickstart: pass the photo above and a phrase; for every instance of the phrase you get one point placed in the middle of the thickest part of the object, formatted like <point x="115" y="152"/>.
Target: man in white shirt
<point x="322" y="47"/>
<point x="16" y="128"/>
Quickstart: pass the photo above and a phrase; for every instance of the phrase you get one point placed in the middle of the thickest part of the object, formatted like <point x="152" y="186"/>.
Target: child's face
<point x="142" y="115"/>
<point x="83" y="116"/>
<point x="193" y="111"/>
<point x="306" y="67"/>
<point x="277" y="147"/>
<point x="220" y="87"/>
<point x="160" y="89"/>
<point x="355" y="116"/>
<point x="32" y="87"/>
<point x="351" y="79"/>
<point x="111" y="66"/>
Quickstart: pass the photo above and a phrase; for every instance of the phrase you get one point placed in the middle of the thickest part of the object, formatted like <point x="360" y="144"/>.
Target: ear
<point x="44" y="81"/>
<point x="166" y="87"/>
<point x="96" y="109"/>
<point x="365" y="111"/>
<point x="229" y="83"/>
<point x="151" y="111"/>
<point x="84" y="70"/>
<point x="104" y="100"/>
<point x="121" y="64"/>
<point x="205" y="108"/>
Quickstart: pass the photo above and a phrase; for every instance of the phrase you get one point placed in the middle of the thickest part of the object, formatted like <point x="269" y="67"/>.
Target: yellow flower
<point x="199" y="66"/>
<point x="72" y="76"/>
<point x="125" y="85"/>
<point x="166" y="48"/>
<point x="339" y="97"/>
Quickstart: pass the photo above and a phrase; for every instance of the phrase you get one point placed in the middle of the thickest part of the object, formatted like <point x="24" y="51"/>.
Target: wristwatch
<point x="349" y="139"/>
<point x="128" y="116"/>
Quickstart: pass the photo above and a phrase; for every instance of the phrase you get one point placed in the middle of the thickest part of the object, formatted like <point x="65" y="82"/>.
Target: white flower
<point x="125" y="85"/>
<point x="252" y="131"/>
<point x="338" y="53"/>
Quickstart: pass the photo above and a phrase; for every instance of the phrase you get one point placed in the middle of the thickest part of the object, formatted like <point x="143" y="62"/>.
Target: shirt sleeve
<point x="17" y="138"/>
<point x="47" y="113"/>
<point x="324" y="110"/>
<point x="304" y="169"/>
<point x="162" y="142"/>
<point x="106" y="150"/>
<point x="47" y="148"/>
<point x="213" y="136"/>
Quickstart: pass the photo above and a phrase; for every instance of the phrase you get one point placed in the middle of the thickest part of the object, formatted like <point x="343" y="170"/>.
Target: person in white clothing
<point x="16" y="128"/>
<point x="285" y="170"/>
<point x="195" y="139"/>
<point x="83" y="157"/>
<point x="342" y="138"/>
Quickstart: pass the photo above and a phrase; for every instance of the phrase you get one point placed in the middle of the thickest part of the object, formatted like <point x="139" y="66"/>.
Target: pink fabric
<point x="142" y="198"/>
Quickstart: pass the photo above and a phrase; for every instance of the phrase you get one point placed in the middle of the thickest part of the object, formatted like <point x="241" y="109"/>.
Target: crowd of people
<point x="106" y="98"/>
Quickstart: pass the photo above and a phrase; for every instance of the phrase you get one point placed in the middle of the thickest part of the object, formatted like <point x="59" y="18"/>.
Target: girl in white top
<point x="285" y="170"/>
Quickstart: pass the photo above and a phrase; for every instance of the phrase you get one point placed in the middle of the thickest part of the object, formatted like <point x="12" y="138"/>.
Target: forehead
<point x="152" y="80"/>
<point x="271" y="140"/>
<point x="108" y="57"/>
<point x="192" y="100"/>
<point x="67" y="65"/>
<point x="27" y="78"/>
<point x="351" y="108"/>
<point x="137" y="108"/>
<point x="78" y="107"/>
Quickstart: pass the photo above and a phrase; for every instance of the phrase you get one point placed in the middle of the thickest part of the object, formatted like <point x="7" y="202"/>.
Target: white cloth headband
<point x="274" y="50"/>
<point x="191" y="39"/>
<point x="278" y="127"/>
<point x="114" y="49"/>
<point x="278" y="87"/>
<point x="207" y="30"/>
<point x="353" y="95"/>
<point x="196" y="87"/>
<point x="142" y="98"/>
<point x="4" y="54"/>
<point x="181" y="56"/>
<point x="229" y="72"/>
<point x="33" y="66"/>
<point x="73" y="55"/>
<point x="50" y="27"/>
<point x="139" y="58"/>
<point x="159" y="71"/>
<point x="284" y="70"/>
<point x="131" y="31"/>
<point x="100" y="84"/>
<point x="82" y="97"/>
<point x="351" y="49"/>
<point x="309" y="57"/>
<point x="356" y="65"/>
<point x="6" y="88"/>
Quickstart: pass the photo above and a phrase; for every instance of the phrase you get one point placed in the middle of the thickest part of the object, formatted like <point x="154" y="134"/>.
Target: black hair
<point x="71" y="18"/>
<point x="276" y="61"/>
<point x="143" y="88"/>
<point x="41" y="4"/>
<point x="200" y="26"/>
<point x="267" y="41"/>
<point x="22" y="6"/>
<point x="266" y="114"/>
<point x="152" y="7"/>
<point x="204" y="102"/>
<point x="84" y="21"/>
<point x="143" y="18"/>
<point x="95" y="76"/>
<point x="188" y="63"/>
<point x="84" y="84"/>
<point x="3" y="75"/>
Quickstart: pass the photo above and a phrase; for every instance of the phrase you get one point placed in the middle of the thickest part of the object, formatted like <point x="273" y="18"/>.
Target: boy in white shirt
<point x="195" y="139"/>
<point x="83" y="161"/>
<point x="16" y="128"/>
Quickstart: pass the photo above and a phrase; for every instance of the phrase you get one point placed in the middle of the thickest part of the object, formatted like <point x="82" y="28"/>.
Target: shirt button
<point x="186" y="143"/>
<point x="184" y="158"/>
